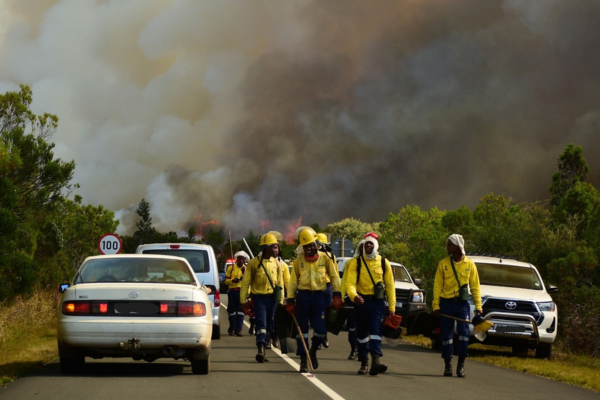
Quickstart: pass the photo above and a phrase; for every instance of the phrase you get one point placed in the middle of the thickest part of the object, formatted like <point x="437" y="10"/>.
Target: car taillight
<point x="76" y="308"/>
<point x="168" y="308"/>
<point x="174" y="246"/>
<point x="188" y="308"/>
<point x="217" y="299"/>
<point x="99" y="307"/>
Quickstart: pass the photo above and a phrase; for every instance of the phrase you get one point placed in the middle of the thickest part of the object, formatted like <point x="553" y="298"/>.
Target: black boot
<point x="353" y="352"/>
<point x="460" y="368"/>
<point x="312" y="353"/>
<point x="303" y="363"/>
<point x="364" y="365"/>
<point x="325" y="342"/>
<point x="275" y="341"/>
<point x="230" y="331"/>
<point x="268" y="346"/>
<point x="251" y="330"/>
<point x="376" y="367"/>
<point x="448" y="367"/>
<point x="260" y="357"/>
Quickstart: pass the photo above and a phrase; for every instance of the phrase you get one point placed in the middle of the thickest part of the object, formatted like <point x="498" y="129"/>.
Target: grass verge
<point x="27" y="334"/>
<point x="576" y="370"/>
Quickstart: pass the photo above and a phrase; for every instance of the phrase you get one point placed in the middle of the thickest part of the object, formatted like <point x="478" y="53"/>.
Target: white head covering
<point x="356" y="253"/>
<point x="375" y="248"/>
<point x="242" y="254"/>
<point x="458" y="241"/>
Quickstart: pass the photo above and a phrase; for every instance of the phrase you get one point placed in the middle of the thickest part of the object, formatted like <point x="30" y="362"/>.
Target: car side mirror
<point x="418" y="282"/>
<point x="62" y="287"/>
<point x="552" y="289"/>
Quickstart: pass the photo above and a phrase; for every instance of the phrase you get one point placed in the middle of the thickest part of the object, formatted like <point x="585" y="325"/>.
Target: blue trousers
<point x="351" y="321"/>
<point x="459" y="309"/>
<point x="264" y="311"/>
<point x="236" y="317"/>
<point x="369" y="323"/>
<point x="310" y="306"/>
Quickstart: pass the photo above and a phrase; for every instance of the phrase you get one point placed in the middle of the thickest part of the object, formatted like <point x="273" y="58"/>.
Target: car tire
<point x="544" y="350"/>
<point x="201" y="367"/>
<point x="216" y="332"/>
<point x="521" y="349"/>
<point x="70" y="361"/>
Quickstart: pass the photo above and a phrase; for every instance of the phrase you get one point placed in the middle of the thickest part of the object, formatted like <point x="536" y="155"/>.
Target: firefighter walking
<point x="233" y="279"/>
<point x="264" y="280"/>
<point x="369" y="277"/>
<point x="306" y="296"/>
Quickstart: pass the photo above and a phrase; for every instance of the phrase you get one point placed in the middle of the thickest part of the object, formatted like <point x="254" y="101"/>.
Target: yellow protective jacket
<point x="365" y="284"/>
<point x="233" y="272"/>
<point x="255" y="279"/>
<point x="313" y="275"/>
<point x="446" y="286"/>
<point x="334" y="263"/>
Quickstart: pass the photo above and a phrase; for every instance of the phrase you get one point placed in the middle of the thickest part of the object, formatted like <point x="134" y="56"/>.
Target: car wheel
<point x="201" y="367"/>
<point x="544" y="350"/>
<point x="216" y="332"/>
<point x="70" y="361"/>
<point x="520" y="349"/>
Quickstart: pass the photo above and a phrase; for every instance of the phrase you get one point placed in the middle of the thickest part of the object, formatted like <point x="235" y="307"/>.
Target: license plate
<point x="136" y="308"/>
<point x="509" y="328"/>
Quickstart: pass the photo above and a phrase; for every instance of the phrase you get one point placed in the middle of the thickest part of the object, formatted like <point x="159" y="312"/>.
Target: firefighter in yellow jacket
<point x="264" y="279"/>
<point x="369" y="277"/>
<point x="233" y="279"/>
<point x="452" y="273"/>
<point x="306" y="296"/>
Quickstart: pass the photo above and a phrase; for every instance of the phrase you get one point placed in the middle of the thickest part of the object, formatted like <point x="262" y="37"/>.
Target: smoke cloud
<point x="261" y="114"/>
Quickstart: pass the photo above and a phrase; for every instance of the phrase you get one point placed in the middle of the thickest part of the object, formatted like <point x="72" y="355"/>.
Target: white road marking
<point x="311" y="377"/>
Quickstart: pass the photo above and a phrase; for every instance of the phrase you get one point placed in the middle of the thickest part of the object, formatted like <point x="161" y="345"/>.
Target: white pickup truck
<point x="519" y="305"/>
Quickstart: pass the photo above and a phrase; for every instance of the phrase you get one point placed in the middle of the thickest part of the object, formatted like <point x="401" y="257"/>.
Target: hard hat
<point x="267" y="239"/>
<point x="306" y="237"/>
<point x="303" y="228"/>
<point x="277" y="235"/>
<point x="322" y="238"/>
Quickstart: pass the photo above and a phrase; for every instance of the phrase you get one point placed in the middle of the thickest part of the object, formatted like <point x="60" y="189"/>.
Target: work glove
<point x="478" y="313"/>
<point x="235" y="280"/>
<point x="290" y="307"/>
<point x="436" y="313"/>
<point x="337" y="302"/>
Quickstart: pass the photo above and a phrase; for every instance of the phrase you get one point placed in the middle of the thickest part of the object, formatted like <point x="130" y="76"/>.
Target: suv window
<point x="508" y="275"/>
<point x="198" y="259"/>
<point x="400" y="274"/>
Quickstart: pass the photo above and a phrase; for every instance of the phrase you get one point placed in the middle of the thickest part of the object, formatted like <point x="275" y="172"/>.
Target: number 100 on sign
<point x="110" y="244"/>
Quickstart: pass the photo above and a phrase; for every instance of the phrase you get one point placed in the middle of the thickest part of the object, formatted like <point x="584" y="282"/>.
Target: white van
<point x="202" y="259"/>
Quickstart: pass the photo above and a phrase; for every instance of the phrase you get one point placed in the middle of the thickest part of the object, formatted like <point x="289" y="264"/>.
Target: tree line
<point x="46" y="231"/>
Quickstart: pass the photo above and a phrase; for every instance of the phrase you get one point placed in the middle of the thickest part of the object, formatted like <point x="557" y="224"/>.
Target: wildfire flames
<point x="202" y="224"/>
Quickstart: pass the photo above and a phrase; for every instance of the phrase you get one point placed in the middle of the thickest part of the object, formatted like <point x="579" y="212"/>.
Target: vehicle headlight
<point x="418" y="297"/>
<point x="547" y="306"/>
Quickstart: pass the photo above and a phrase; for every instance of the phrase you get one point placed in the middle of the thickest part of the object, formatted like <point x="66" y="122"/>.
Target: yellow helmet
<point x="267" y="239"/>
<point x="322" y="238"/>
<point x="277" y="235"/>
<point x="303" y="228"/>
<point x="306" y="237"/>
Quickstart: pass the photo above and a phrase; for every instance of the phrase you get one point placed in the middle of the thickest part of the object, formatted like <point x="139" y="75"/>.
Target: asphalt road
<point x="414" y="372"/>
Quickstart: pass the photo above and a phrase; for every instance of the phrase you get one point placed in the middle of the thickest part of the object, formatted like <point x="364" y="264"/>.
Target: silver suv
<point x="516" y="300"/>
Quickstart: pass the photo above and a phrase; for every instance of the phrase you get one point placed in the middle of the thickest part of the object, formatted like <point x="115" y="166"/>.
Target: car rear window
<point x="198" y="259"/>
<point x="134" y="270"/>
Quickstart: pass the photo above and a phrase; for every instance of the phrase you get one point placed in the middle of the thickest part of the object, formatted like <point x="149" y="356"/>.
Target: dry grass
<point x="27" y="334"/>
<point x="581" y="371"/>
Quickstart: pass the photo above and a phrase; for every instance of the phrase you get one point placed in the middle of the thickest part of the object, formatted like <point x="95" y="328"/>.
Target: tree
<point x="350" y="228"/>
<point x="572" y="168"/>
<point x="145" y="231"/>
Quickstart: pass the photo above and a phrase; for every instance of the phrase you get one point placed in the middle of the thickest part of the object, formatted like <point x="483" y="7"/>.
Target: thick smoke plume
<point x="261" y="114"/>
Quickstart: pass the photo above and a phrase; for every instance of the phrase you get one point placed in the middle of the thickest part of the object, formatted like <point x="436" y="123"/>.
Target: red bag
<point x="392" y="321"/>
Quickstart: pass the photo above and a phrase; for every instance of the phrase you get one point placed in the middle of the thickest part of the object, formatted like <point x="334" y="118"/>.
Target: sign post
<point x="110" y="244"/>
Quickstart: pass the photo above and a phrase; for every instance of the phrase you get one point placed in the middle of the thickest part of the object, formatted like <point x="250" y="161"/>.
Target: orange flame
<point x="265" y="224"/>
<point x="290" y="229"/>
<point x="203" y="224"/>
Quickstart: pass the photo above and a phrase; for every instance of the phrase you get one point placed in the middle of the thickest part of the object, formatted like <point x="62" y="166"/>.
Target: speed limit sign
<point x="110" y="244"/>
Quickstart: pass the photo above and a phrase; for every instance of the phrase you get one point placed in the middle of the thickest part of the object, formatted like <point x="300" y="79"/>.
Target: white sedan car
<point x="140" y="306"/>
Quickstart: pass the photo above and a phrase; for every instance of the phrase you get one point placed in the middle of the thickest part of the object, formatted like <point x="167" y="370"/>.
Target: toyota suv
<point x="204" y="263"/>
<point x="410" y="298"/>
<point x="519" y="305"/>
